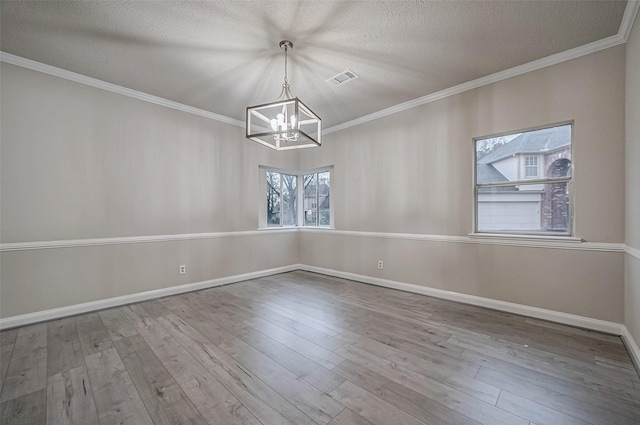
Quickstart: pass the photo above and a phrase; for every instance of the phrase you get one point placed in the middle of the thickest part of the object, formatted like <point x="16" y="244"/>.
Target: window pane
<point x="289" y="200"/>
<point x="324" y="190"/>
<point x="524" y="208"/>
<point x="544" y="153"/>
<point x="311" y="200"/>
<point x="273" y="199"/>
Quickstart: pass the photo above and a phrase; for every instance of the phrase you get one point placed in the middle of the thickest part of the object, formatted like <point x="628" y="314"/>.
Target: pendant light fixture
<point x="286" y="123"/>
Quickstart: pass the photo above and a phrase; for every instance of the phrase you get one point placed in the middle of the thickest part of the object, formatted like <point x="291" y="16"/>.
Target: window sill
<point x="532" y="238"/>
<point x="297" y="228"/>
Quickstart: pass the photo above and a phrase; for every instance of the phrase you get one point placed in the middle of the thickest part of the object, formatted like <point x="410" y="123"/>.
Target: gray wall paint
<point x="584" y="283"/>
<point x="43" y="279"/>
<point x="632" y="282"/>
<point x="411" y="172"/>
<point x="78" y="162"/>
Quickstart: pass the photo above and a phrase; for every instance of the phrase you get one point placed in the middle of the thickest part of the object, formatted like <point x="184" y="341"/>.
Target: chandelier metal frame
<point x="286" y="123"/>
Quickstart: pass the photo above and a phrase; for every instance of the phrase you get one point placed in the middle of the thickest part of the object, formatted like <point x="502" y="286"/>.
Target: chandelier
<point x="286" y="123"/>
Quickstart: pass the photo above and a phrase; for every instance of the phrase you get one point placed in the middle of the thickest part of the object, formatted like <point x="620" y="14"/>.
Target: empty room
<point x="323" y="212"/>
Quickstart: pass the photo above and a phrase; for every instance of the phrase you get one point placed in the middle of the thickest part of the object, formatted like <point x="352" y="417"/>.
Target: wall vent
<point x="343" y="78"/>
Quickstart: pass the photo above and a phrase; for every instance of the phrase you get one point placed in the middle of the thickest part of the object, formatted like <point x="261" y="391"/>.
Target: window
<point x="317" y="202"/>
<point x="536" y="203"/>
<point x="530" y="166"/>
<point x="284" y="190"/>
<point x="281" y="199"/>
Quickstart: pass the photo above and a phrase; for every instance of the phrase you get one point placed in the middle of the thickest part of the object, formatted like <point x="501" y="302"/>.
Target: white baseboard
<point x="524" y="310"/>
<point x="632" y="347"/>
<point x="56" y="313"/>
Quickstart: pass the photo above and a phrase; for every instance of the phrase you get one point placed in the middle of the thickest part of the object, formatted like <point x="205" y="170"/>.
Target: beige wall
<point x="411" y="172"/>
<point x="42" y="279"/>
<point x="632" y="282"/>
<point x="584" y="283"/>
<point x="78" y="162"/>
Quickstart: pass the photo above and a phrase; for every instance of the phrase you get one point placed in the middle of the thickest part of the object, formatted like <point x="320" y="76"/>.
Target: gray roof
<point x="486" y="173"/>
<point x="548" y="139"/>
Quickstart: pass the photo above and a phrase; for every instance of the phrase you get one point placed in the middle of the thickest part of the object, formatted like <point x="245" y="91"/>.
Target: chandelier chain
<point x="286" y="49"/>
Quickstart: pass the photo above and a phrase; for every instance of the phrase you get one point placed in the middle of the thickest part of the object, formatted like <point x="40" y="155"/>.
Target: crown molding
<point x="621" y="37"/>
<point x="567" y="55"/>
<point x="114" y="88"/>
<point x="630" y="13"/>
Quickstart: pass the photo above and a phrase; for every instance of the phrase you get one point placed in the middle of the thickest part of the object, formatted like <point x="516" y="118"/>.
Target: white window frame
<point x="317" y="199"/>
<point x="281" y="189"/>
<point x="533" y="167"/>
<point x="262" y="190"/>
<point x="569" y="235"/>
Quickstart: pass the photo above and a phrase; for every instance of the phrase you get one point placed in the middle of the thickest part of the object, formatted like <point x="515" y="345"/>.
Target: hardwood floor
<point x="305" y="349"/>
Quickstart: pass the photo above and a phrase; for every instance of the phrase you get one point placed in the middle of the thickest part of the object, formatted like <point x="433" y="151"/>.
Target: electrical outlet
<point x="380" y="264"/>
<point x="183" y="269"/>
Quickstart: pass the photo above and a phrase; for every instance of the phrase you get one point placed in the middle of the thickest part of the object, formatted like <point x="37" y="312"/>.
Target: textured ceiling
<point x="222" y="56"/>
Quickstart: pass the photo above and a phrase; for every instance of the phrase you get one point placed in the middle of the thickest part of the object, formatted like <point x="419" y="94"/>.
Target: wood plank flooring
<point x="306" y="349"/>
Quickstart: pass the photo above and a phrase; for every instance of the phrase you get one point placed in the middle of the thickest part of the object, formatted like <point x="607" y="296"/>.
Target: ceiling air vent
<point x="342" y="78"/>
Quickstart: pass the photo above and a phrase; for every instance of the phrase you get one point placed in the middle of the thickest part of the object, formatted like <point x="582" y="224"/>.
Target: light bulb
<point x="274" y="125"/>
<point x="293" y="121"/>
<point x="280" y="119"/>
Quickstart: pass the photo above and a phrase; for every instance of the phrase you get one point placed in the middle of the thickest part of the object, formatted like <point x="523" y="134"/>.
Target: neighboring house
<point x="526" y="207"/>
<point x="317" y="203"/>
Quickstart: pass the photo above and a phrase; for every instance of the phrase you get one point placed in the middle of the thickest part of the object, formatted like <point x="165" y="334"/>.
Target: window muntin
<point x="534" y="199"/>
